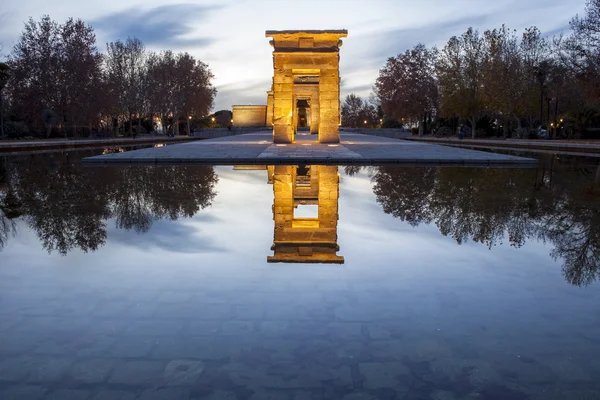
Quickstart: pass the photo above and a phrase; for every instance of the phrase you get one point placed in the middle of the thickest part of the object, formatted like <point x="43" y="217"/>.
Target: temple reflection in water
<point x="305" y="213"/>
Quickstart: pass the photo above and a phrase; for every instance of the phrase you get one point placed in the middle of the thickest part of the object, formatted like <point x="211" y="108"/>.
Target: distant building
<point x="249" y="116"/>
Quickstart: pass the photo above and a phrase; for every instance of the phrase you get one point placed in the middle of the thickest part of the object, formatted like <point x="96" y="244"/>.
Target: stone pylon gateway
<point x="305" y="95"/>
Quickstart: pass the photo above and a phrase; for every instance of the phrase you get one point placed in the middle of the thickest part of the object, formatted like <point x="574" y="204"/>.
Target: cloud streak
<point x="169" y="26"/>
<point x="182" y="236"/>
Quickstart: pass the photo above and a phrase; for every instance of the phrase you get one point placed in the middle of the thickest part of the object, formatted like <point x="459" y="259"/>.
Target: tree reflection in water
<point x="559" y="203"/>
<point x="68" y="205"/>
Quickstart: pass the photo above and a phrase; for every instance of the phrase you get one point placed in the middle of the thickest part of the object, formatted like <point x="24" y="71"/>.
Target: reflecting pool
<point x="298" y="282"/>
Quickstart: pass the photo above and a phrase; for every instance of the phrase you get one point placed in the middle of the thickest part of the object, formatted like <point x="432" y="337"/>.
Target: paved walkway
<point x="21" y="145"/>
<point x="257" y="148"/>
<point x="581" y="146"/>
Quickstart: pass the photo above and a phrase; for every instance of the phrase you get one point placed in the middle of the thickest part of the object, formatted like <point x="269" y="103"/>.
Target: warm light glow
<point x="312" y="223"/>
<point x="280" y="145"/>
<point x="231" y="121"/>
<point x="190" y="117"/>
<point x="213" y="119"/>
<point x="561" y="120"/>
<point x="159" y="145"/>
<point x="305" y="144"/>
<point x="365" y="121"/>
<point x="552" y="124"/>
<point x="333" y="145"/>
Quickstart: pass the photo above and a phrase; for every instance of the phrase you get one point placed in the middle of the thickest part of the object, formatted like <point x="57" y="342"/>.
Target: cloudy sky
<point x="230" y="34"/>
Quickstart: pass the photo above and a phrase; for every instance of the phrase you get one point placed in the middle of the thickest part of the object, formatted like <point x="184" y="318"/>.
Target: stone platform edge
<point x="311" y="161"/>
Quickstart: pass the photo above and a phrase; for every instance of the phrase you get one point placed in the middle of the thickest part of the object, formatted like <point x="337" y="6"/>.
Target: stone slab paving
<point x="257" y="148"/>
<point x="553" y="145"/>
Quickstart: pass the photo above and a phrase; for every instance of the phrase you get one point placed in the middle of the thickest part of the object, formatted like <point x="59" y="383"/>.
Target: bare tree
<point x="81" y="69"/>
<point x="160" y="68"/>
<point x="352" y="110"/>
<point x="460" y="75"/>
<point x="125" y="66"/>
<point x="357" y="113"/>
<point x="35" y="70"/>
<point x="4" y="75"/>
<point x="55" y="67"/>
<point x="581" y="51"/>
<point x="407" y="87"/>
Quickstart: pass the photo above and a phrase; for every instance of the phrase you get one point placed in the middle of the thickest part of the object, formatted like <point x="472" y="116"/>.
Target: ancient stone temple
<point x="305" y="239"/>
<point x="306" y="84"/>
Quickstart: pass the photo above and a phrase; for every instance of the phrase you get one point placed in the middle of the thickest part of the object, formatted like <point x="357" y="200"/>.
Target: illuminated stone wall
<point x="269" y="108"/>
<point x="305" y="240"/>
<point x="249" y="116"/>
<point x="306" y="54"/>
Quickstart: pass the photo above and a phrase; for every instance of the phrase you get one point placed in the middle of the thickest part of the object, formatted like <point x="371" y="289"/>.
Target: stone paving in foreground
<point x="301" y="334"/>
<point x="257" y="148"/>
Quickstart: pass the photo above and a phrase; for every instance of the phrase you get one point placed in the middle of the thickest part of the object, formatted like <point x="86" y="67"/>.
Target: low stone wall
<point x="214" y="133"/>
<point x="390" y="133"/>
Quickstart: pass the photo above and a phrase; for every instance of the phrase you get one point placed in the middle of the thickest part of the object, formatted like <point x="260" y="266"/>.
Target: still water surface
<point x="398" y="283"/>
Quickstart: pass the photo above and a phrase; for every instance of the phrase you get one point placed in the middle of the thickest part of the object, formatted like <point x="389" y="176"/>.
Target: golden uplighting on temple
<point x="305" y="94"/>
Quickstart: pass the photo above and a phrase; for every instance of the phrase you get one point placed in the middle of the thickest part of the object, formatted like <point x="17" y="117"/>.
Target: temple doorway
<point x="303" y="117"/>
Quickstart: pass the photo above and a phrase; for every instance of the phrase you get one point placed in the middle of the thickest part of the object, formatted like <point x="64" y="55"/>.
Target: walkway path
<point x="23" y="145"/>
<point x="257" y="148"/>
<point x="522" y="144"/>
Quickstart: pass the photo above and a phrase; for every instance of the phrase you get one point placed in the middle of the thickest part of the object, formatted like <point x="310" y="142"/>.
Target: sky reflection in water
<point x="456" y="281"/>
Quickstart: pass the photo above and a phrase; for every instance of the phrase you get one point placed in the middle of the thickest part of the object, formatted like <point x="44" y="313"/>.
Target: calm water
<point x="397" y="283"/>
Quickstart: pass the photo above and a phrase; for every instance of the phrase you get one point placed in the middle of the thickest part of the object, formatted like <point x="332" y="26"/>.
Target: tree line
<point x="557" y="203"/>
<point x="57" y="83"/>
<point x="497" y="82"/>
<point x="68" y="205"/>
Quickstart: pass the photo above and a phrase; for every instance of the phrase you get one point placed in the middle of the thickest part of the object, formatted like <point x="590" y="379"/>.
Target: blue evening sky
<point x="230" y="35"/>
